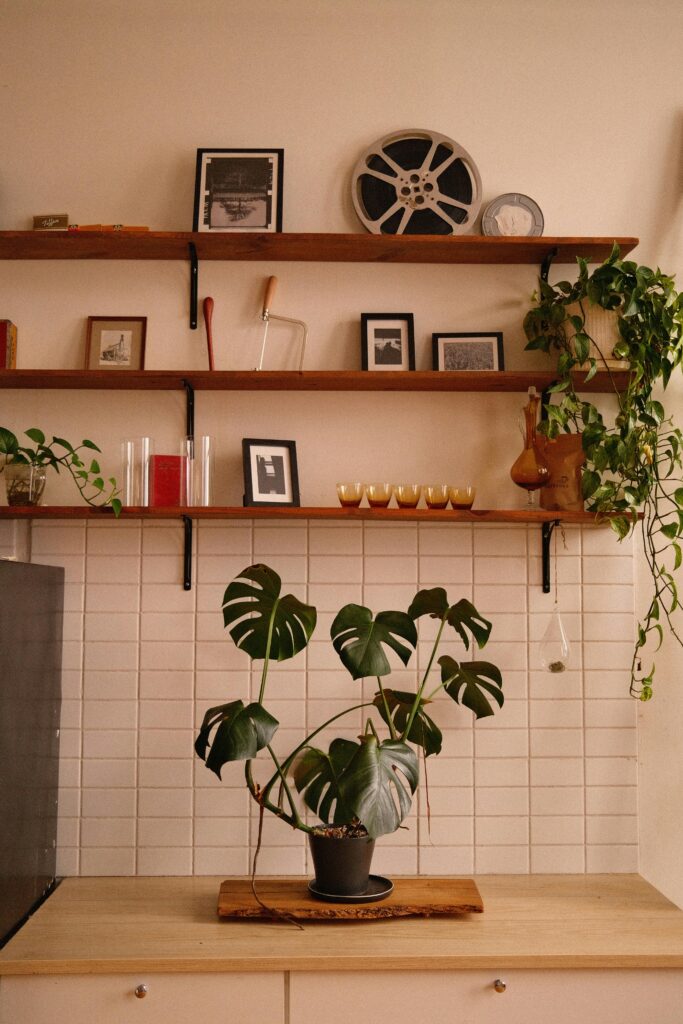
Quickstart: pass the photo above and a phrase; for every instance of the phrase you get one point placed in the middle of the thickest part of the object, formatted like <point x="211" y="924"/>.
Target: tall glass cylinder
<point x="204" y="448"/>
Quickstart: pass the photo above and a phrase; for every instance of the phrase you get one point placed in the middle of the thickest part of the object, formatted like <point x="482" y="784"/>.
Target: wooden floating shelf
<point x="306" y="380"/>
<point x="395" y="515"/>
<point x="302" y="247"/>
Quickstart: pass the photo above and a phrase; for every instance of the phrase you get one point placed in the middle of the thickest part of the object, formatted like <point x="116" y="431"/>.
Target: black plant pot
<point x="342" y="865"/>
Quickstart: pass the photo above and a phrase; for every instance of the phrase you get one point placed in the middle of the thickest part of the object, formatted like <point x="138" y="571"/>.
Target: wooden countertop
<point x="118" y="925"/>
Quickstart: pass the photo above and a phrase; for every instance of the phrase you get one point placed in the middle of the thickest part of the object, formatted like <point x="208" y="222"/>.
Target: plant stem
<point x="264" y="672"/>
<point x="390" y="723"/>
<point x="418" y="695"/>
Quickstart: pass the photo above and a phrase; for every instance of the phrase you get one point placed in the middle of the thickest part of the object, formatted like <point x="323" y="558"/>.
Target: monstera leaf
<point x="317" y="774"/>
<point x="378" y="783"/>
<point x="472" y="684"/>
<point x="423" y="731"/>
<point x="240" y="733"/>
<point x="358" y="639"/>
<point x="261" y="622"/>
<point x="463" y="616"/>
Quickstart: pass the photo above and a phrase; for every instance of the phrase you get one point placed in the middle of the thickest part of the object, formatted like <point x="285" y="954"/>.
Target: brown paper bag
<point x="565" y="458"/>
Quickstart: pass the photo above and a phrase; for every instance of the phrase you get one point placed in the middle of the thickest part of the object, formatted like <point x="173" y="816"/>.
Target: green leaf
<point x="358" y="639"/>
<point x="98" y="483"/>
<point x="36" y="435"/>
<point x="89" y="444"/>
<point x="678" y="496"/>
<point x="261" y="622"/>
<point x="463" y="616"/>
<point x="64" y="444"/>
<point x="424" y="732"/>
<point x="670" y="530"/>
<point x="316" y="775"/>
<point x="95" y="467"/>
<point x="240" y="733"/>
<point x="8" y="442"/>
<point x="472" y="684"/>
<point x="678" y="556"/>
<point x="116" y="507"/>
<point x="590" y="481"/>
<point x="378" y="783"/>
<point x="581" y="347"/>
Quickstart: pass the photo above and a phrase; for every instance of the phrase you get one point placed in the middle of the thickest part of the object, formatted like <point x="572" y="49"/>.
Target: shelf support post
<point x="189" y="417"/>
<point x="187" y="553"/>
<point x="546" y="534"/>
<point x="547" y="261"/>
<point x="194" y="284"/>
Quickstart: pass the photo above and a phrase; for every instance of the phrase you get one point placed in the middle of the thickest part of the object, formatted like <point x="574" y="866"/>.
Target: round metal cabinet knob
<point x="141" y="991"/>
<point x="499" y="985"/>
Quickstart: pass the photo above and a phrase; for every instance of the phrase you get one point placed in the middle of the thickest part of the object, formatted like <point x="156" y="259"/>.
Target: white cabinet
<point x="170" y="999"/>
<point x="470" y="997"/>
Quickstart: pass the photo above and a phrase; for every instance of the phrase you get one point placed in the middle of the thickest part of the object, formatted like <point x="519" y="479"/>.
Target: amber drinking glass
<point x="407" y="495"/>
<point x="530" y="470"/>
<point x="350" y="495"/>
<point x="436" y="495"/>
<point x="462" y="497"/>
<point x="378" y="495"/>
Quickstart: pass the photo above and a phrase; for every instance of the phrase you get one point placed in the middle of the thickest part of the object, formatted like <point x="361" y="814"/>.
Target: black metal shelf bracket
<point x="194" y="284"/>
<point x="187" y="554"/>
<point x="189" y="415"/>
<point x="547" y="261"/>
<point x="546" y="534"/>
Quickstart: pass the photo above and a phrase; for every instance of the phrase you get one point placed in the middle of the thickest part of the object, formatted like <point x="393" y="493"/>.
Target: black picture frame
<point x="387" y="341"/>
<point x="468" y="350"/>
<point x="271" y="476"/>
<point x="238" y="190"/>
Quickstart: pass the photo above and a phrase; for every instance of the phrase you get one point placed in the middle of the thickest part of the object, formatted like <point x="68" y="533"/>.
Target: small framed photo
<point x="473" y="350"/>
<point x="270" y="472"/>
<point x="387" y="341"/>
<point x="116" y="343"/>
<point x="238" y="190"/>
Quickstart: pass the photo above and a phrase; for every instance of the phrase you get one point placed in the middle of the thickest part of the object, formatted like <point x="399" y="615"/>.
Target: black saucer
<point x="378" y="889"/>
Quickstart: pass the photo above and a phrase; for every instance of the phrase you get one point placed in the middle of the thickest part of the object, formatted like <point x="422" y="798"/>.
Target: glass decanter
<point x="530" y="470"/>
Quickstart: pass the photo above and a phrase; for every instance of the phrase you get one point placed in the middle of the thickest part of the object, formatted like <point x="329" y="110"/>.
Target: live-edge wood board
<point x="289" y="898"/>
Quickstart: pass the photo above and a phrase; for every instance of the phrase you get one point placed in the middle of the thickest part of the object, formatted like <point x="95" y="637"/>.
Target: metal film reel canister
<point x="416" y="183"/>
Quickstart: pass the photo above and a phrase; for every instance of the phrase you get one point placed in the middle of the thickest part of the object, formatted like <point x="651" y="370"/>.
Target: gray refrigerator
<point x="31" y="612"/>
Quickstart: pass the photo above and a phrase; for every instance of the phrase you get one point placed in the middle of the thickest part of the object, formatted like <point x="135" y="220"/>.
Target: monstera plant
<point x="360" y="788"/>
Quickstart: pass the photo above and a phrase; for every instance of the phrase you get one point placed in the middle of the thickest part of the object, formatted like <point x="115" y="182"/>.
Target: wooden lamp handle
<point x="271" y="286"/>
<point x="208" y="313"/>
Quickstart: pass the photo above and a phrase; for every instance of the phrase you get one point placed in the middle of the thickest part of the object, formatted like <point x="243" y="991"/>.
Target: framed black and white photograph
<point x="473" y="350"/>
<point x="116" y="343"/>
<point x="270" y="472"/>
<point x="387" y="341"/>
<point x="238" y="190"/>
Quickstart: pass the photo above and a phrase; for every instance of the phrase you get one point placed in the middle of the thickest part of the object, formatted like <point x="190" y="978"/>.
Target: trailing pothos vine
<point x="632" y="474"/>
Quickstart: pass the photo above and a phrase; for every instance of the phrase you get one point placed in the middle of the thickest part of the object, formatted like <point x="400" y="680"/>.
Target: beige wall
<point x="105" y="103"/>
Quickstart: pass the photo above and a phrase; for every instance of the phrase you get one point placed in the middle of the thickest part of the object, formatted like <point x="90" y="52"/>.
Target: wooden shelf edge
<point x="422" y="515"/>
<point x="497" y="381"/>
<point x="305" y="247"/>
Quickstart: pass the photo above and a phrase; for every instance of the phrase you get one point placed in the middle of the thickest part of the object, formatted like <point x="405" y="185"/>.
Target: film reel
<point x="416" y="182"/>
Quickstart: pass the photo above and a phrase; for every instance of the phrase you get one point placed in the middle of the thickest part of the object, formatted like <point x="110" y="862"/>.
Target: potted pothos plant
<point x="25" y="467"/>
<point x="359" y="789"/>
<point x="632" y="473"/>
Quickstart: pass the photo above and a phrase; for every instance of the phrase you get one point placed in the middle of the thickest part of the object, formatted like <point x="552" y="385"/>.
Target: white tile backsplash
<point x="547" y="785"/>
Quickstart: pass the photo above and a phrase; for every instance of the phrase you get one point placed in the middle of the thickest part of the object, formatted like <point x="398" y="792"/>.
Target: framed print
<point x="473" y="350"/>
<point x="116" y="343"/>
<point x="387" y="341"/>
<point x="270" y="472"/>
<point x="238" y="190"/>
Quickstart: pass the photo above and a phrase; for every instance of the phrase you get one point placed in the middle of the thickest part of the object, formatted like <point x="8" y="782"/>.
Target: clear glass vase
<point x="24" y="483"/>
